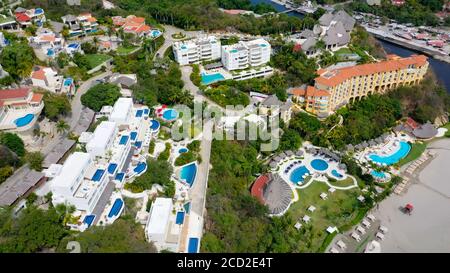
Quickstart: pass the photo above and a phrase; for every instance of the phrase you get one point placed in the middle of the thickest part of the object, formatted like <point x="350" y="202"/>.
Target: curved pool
<point x="319" y="165"/>
<point x="403" y="151"/>
<point x="141" y="166"/>
<point x="297" y="174"/>
<point x="336" y="174"/>
<point x="212" y="78"/>
<point x="154" y="125"/>
<point x="24" y="121"/>
<point x="170" y="114"/>
<point x="183" y="150"/>
<point x="377" y="174"/>
<point x="188" y="173"/>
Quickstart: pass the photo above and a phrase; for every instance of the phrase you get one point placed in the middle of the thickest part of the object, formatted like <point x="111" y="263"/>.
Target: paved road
<point x="198" y="191"/>
<point x="75" y="115"/>
<point x="168" y="40"/>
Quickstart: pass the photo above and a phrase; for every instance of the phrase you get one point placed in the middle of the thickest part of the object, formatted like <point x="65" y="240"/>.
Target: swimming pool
<point x="188" y="173"/>
<point x="180" y="218"/>
<point x="50" y="52"/>
<point x="155" y="33"/>
<point x="297" y="174"/>
<point x="187" y="207"/>
<point x="24" y="121"/>
<point x="68" y="82"/>
<point x="211" y="78"/>
<point x="133" y="135"/>
<point x="139" y="113"/>
<point x="140" y="167"/>
<point x="73" y="46"/>
<point x="116" y="208"/>
<point x="377" y="174"/>
<point x="154" y="125"/>
<point x="112" y="168"/>
<point x="336" y="174"/>
<point x="403" y="151"/>
<point x="170" y="114"/>
<point x="193" y="245"/>
<point x="119" y="177"/>
<point x="98" y="175"/>
<point x="183" y="150"/>
<point x="123" y="140"/>
<point x="319" y="165"/>
<point x="89" y="219"/>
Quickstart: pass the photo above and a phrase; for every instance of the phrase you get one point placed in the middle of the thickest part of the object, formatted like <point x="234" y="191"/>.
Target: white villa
<point x="19" y="109"/>
<point x="79" y="183"/>
<point x="122" y="111"/>
<point x="48" y="42"/>
<point x="246" y="54"/>
<point x="198" y="50"/>
<point x="160" y="223"/>
<point x="102" y="139"/>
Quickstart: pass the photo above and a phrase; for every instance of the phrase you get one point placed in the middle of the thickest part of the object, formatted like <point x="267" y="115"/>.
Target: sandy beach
<point x="428" y="228"/>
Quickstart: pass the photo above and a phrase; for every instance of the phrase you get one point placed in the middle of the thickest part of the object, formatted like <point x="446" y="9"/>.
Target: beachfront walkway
<point x="428" y="228"/>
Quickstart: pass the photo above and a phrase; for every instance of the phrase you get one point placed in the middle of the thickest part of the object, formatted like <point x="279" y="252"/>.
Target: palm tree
<point x="62" y="126"/>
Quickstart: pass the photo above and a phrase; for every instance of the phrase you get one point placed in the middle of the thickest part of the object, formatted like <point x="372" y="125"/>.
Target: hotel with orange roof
<point x="336" y="87"/>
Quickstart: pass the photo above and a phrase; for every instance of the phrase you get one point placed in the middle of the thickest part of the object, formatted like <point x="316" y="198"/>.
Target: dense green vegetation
<point x="13" y="142"/>
<point x="35" y="160"/>
<point x="17" y="59"/>
<point x="205" y="15"/>
<point x="299" y="69"/>
<point x="260" y="8"/>
<point x="100" y="95"/>
<point x="33" y="230"/>
<point x="423" y="102"/>
<point x="55" y="106"/>
<point x="363" y="120"/>
<point x="191" y="155"/>
<point x="417" y="12"/>
<point x="225" y="95"/>
<point x="158" y="172"/>
<point x="362" y="41"/>
<point x="165" y="86"/>
<point x="123" y="236"/>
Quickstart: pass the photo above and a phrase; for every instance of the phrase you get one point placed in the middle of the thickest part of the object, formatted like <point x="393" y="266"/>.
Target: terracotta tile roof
<point x="14" y="93"/>
<point x="92" y="19"/>
<point x="258" y="187"/>
<point x="22" y="17"/>
<point x="298" y="91"/>
<point x="39" y="74"/>
<point x="37" y="97"/>
<point x="337" y="76"/>
<point x="48" y="37"/>
<point x="143" y="28"/>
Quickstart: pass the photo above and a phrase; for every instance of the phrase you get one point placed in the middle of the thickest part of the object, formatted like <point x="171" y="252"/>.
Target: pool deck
<point x="427" y="228"/>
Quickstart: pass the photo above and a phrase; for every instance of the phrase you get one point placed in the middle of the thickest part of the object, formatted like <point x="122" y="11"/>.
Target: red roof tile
<point x="14" y="93"/>
<point x="258" y="187"/>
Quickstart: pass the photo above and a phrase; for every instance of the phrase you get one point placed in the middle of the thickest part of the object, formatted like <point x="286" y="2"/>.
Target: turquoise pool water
<point x="211" y="78"/>
<point x="336" y="174"/>
<point x="297" y="174"/>
<point x="50" y="52"/>
<point x="183" y="150"/>
<point x="24" y="121"/>
<point x="378" y="174"/>
<point x="68" y="81"/>
<point x="193" y="245"/>
<point x="393" y="158"/>
<point x="319" y="165"/>
<point x="180" y="218"/>
<point x="155" y="33"/>
<point x="188" y="173"/>
<point x="170" y="114"/>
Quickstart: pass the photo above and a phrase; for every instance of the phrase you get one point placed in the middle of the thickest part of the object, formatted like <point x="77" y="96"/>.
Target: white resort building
<point x="159" y="225"/>
<point x="102" y="139"/>
<point x="197" y="50"/>
<point x="246" y="54"/>
<point x="122" y="111"/>
<point x="79" y="183"/>
<point x="19" y="109"/>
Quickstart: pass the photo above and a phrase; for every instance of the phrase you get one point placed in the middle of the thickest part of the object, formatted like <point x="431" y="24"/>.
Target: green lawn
<point x="339" y="210"/>
<point x="96" y="59"/>
<point x="417" y="150"/>
<point x="125" y="50"/>
<point x="343" y="51"/>
<point x="343" y="183"/>
<point x="447" y="126"/>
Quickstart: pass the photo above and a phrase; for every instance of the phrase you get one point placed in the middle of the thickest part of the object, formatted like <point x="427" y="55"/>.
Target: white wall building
<point x="159" y="223"/>
<point x="246" y="54"/>
<point x="102" y="139"/>
<point x="46" y="78"/>
<point x="79" y="183"/>
<point x="122" y="111"/>
<point x="198" y="50"/>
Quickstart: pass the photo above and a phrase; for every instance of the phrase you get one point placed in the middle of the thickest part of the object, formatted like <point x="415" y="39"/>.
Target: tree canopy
<point x="100" y="95"/>
<point x="17" y="59"/>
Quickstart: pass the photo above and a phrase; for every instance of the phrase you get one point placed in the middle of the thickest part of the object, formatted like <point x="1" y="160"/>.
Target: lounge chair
<point x="341" y="244"/>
